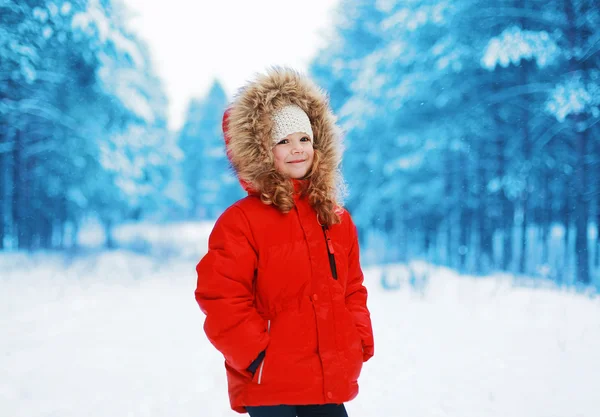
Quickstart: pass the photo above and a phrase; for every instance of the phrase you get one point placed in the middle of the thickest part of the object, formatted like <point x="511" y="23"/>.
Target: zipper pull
<point x="329" y="244"/>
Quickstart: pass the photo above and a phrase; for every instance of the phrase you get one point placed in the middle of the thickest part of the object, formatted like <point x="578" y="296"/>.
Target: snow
<point x="572" y="97"/>
<point x="119" y="333"/>
<point x="515" y="44"/>
<point x="40" y="14"/>
<point x="415" y="19"/>
<point x="66" y="8"/>
<point x="95" y="19"/>
<point x="403" y="163"/>
<point x="119" y="78"/>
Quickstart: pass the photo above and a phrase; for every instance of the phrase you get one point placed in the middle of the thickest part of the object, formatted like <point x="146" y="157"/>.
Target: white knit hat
<point x="290" y="119"/>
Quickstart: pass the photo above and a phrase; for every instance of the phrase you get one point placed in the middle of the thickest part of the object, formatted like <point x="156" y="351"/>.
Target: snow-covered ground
<point x="119" y="334"/>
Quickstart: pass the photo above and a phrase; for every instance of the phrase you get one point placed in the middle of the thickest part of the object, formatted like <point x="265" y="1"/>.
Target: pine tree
<point x="210" y="182"/>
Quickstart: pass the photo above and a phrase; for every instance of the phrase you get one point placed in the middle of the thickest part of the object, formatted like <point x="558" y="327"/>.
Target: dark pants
<point x="325" y="410"/>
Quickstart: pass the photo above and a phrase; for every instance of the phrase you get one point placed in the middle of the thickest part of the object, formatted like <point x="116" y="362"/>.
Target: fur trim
<point x="248" y="129"/>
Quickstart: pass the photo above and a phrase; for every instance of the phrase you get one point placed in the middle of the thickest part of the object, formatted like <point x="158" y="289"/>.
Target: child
<point x="281" y="284"/>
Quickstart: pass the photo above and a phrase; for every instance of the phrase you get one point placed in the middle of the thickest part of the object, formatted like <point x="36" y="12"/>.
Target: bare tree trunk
<point x="546" y="219"/>
<point x="595" y="174"/>
<point x="3" y="188"/>
<point x="597" y="260"/>
<point x="527" y="153"/>
<point x="448" y="178"/>
<point x="61" y="220"/>
<point x="465" y="215"/>
<point x="526" y="174"/>
<point x="108" y="232"/>
<point x="44" y="225"/>
<point x="429" y="236"/>
<point x="402" y="233"/>
<point x="74" y="236"/>
<point x="20" y="201"/>
<point x="567" y="219"/>
<point x="582" y="210"/>
<point x="508" y="222"/>
<point x="6" y="185"/>
<point x="524" y="220"/>
<point x="482" y="215"/>
<point x="506" y="207"/>
<point x="581" y="174"/>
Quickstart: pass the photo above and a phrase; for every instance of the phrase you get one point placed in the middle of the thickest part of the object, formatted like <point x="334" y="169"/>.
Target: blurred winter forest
<point x="470" y="130"/>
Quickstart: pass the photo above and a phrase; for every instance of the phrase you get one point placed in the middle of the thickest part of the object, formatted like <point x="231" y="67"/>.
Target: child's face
<point x="294" y="155"/>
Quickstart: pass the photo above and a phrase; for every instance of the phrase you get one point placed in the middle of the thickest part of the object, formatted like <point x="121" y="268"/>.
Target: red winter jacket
<point x="267" y="283"/>
<point x="275" y="283"/>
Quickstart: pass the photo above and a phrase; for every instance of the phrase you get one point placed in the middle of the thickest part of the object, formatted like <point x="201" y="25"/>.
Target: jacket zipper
<point x="330" y="252"/>
<point x="262" y="364"/>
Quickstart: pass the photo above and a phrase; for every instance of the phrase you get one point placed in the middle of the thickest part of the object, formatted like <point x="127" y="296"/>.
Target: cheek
<point x="278" y="158"/>
<point x="311" y="154"/>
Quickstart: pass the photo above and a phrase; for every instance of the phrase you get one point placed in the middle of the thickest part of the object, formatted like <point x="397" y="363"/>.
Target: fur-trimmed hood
<point x="247" y="127"/>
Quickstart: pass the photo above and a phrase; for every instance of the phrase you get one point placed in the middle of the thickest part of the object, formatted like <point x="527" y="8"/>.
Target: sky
<point x="194" y="43"/>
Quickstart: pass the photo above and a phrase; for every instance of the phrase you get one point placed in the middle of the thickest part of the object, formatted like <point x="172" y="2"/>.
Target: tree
<point x="210" y="182"/>
<point x="465" y="120"/>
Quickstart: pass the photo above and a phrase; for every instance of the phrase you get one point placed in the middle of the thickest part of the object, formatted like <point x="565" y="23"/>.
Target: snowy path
<point x="117" y="334"/>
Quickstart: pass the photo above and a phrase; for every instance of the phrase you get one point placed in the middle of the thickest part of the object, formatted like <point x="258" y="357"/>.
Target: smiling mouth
<point x="296" y="162"/>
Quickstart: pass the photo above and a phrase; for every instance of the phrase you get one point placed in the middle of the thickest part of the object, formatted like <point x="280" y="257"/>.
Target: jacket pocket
<point x="258" y="375"/>
<point x="354" y="349"/>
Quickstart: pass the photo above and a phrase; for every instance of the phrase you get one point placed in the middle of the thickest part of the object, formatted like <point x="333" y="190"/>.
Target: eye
<point x="305" y="139"/>
<point x="283" y="142"/>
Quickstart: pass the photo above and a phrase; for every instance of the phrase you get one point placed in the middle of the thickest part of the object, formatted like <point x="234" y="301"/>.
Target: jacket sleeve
<point x="225" y="293"/>
<point x="356" y="296"/>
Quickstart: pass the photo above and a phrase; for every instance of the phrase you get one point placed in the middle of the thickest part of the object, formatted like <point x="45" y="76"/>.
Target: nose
<point x="297" y="148"/>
